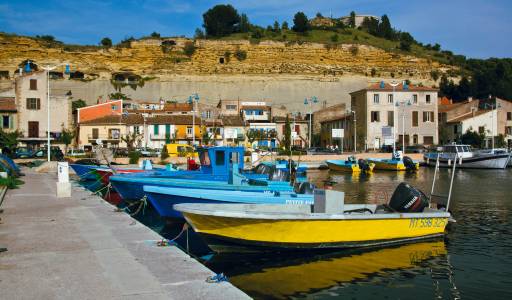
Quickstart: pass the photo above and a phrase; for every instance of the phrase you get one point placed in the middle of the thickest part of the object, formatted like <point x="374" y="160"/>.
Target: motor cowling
<point x="409" y="163"/>
<point x="363" y="165"/>
<point x="406" y="198"/>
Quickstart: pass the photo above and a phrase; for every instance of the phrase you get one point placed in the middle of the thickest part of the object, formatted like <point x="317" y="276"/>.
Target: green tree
<point x="106" y="42"/>
<point x="66" y="137"/>
<point x="334" y="38"/>
<point x="287" y="134"/>
<point x="473" y="138"/>
<point x="406" y="40"/>
<point x="300" y="22"/>
<point x="118" y="96"/>
<point x="385" y="29"/>
<point x="252" y="135"/>
<point x="245" y="25"/>
<point x="284" y="26"/>
<point x="436" y="47"/>
<point x="352" y="20"/>
<point x="434" y="74"/>
<point x="164" y="154"/>
<point x="9" y="140"/>
<point x="221" y="20"/>
<point x="276" y="27"/>
<point x="79" y="103"/>
<point x="371" y="25"/>
<point x="130" y="139"/>
<point x="199" y="34"/>
<point x="189" y="48"/>
<point x="155" y="35"/>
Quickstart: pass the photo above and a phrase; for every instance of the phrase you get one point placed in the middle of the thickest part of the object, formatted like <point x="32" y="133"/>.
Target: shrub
<point x="334" y="38"/>
<point x="240" y="54"/>
<point x="10" y="182"/>
<point x="134" y="157"/>
<point x="189" y="49"/>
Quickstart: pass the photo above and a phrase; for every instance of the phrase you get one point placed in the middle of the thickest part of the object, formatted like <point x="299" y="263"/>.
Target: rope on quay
<point x="167" y="242"/>
<point x="99" y="190"/>
<point x="143" y="202"/>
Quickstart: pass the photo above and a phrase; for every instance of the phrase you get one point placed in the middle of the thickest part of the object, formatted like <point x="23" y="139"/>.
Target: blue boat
<point x="163" y="198"/>
<point x="219" y="166"/>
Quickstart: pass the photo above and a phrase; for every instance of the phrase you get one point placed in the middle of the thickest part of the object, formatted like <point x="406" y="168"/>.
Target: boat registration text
<point x="427" y="222"/>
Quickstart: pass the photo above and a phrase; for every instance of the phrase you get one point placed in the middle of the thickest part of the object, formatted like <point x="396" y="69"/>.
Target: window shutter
<point x="11" y="122"/>
<point x="39" y="103"/>
<point x="424" y="116"/>
<point x="431" y="116"/>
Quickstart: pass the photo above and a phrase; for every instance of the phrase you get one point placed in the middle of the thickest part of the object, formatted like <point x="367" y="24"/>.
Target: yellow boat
<point x="261" y="227"/>
<point x="349" y="165"/>
<point x="285" y="277"/>
<point x="395" y="164"/>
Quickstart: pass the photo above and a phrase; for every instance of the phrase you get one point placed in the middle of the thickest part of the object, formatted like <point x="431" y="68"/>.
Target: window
<point x="390" y="98"/>
<point x="427" y="99"/>
<point x="114" y="107"/>
<point x="508" y="130"/>
<point x="428" y="116"/>
<point x="297" y="128"/>
<point x="428" y="140"/>
<point x="415" y="99"/>
<point x="230" y="107"/>
<point x="220" y="158"/>
<point x="136" y="129"/>
<point x="375" y="116"/>
<point x="33" y="103"/>
<point x="95" y="133"/>
<point x="6" y="122"/>
<point x="455" y="129"/>
<point x="33" y="84"/>
<point x="189" y="131"/>
<point x="375" y="98"/>
<point x="415" y="139"/>
<point x="509" y="116"/>
<point x="156" y="129"/>
<point x="391" y="118"/>
<point x="114" y="134"/>
<point x="208" y="114"/>
<point x="414" y="119"/>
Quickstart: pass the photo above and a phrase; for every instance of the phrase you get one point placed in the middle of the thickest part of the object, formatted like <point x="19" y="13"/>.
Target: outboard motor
<point x="409" y="163"/>
<point x="363" y="165"/>
<point x="263" y="169"/>
<point x="279" y="175"/>
<point x="304" y="188"/>
<point x="408" y="199"/>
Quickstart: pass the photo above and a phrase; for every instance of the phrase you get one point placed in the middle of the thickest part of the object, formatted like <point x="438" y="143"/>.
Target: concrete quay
<point x="81" y="248"/>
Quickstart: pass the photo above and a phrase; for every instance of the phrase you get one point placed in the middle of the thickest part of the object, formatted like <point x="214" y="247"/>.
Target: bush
<point x="134" y="157"/>
<point x="10" y="182"/>
<point x="189" y="49"/>
<point x="240" y="54"/>
<point x="354" y="50"/>
<point x="334" y="38"/>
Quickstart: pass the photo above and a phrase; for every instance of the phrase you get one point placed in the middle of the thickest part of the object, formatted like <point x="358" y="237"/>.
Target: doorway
<point x="33" y="129"/>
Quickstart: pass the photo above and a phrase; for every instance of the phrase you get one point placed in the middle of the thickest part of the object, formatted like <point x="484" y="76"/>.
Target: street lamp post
<point x="355" y="128"/>
<point x="402" y="103"/>
<point x="193" y="99"/>
<point x="494" y="107"/>
<point x="394" y="85"/>
<point x="49" y="68"/>
<point x="310" y="102"/>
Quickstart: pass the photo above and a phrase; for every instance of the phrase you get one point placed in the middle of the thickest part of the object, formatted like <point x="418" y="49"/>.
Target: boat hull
<point x="163" y="199"/>
<point x="228" y="234"/>
<point x="391" y="164"/>
<point x="346" y="166"/>
<point x="482" y="162"/>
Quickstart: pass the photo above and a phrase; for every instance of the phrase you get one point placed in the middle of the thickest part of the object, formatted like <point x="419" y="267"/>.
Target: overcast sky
<point x="475" y="28"/>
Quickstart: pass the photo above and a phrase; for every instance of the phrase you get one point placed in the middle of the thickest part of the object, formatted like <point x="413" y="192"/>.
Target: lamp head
<point x="315" y="99"/>
<point x="305" y="101"/>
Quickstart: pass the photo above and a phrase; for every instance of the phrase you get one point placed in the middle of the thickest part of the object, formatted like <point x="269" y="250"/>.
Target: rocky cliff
<point x="270" y="70"/>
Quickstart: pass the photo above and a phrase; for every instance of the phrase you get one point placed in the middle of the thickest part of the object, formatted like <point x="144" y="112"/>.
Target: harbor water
<point x="473" y="261"/>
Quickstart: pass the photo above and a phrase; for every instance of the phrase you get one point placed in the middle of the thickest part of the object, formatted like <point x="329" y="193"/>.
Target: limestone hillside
<point x="160" y="57"/>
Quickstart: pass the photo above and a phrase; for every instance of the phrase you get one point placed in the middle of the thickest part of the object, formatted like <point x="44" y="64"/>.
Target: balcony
<point x="104" y="137"/>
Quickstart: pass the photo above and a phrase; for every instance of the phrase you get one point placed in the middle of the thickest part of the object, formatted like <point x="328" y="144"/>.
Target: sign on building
<point x="230" y="133"/>
<point x="387" y="135"/>
<point x="338" y="133"/>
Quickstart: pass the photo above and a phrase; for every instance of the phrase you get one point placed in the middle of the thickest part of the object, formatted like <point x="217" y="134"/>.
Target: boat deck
<point x="81" y="248"/>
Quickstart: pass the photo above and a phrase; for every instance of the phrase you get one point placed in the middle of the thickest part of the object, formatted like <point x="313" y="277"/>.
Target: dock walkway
<point x="81" y="248"/>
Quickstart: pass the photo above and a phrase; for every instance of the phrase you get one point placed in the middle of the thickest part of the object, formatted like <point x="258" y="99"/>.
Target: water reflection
<point x="296" y="275"/>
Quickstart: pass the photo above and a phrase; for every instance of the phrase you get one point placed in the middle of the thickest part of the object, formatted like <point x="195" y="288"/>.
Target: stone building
<point x="407" y="110"/>
<point x="8" y="113"/>
<point x="32" y="106"/>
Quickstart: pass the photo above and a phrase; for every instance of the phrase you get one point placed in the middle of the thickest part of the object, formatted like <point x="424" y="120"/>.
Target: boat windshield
<point x="467" y="149"/>
<point x="450" y="149"/>
<point x="460" y="149"/>
<point x="204" y="158"/>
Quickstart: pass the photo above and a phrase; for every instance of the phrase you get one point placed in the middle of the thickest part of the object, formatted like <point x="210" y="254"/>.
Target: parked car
<point x="321" y="151"/>
<point x="416" y="149"/>
<point x="55" y="153"/>
<point x="76" y="153"/>
<point x="23" y="152"/>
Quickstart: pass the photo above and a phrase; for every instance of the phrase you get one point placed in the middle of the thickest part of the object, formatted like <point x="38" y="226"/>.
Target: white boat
<point x="466" y="158"/>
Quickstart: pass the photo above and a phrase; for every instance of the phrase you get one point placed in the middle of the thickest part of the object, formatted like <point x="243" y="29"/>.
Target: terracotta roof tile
<point x="468" y="116"/>
<point x="388" y="88"/>
<point x="261" y="107"/>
